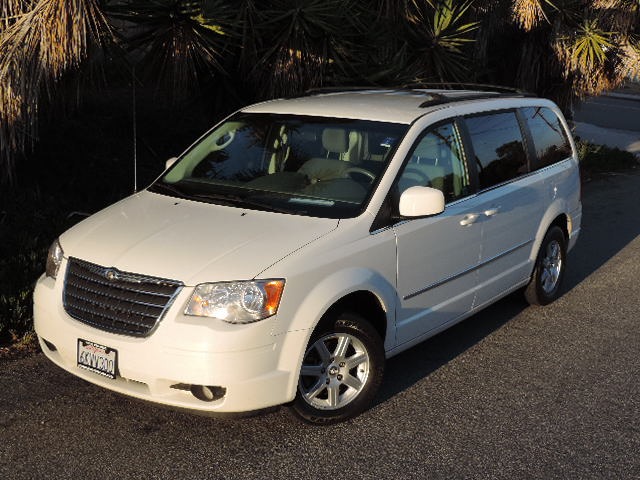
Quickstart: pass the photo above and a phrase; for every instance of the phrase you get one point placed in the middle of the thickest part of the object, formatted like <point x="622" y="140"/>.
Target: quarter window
<point x="498" y="148"/>
<point x="549" y="137"/>
<point x="437" y="161"/>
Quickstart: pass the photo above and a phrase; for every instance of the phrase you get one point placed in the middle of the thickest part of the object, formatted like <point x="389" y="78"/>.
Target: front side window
<point x="437" y="161"/>
<point x="314" y="166"/>
<point x="549" y="137"/>
<point x="498" y="147"/>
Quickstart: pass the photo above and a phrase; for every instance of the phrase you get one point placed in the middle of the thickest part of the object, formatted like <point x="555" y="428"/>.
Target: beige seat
<point x="336" y="144"/>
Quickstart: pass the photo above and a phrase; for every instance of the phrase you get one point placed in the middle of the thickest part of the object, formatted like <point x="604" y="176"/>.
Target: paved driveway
<point x="514" y="392"/>
<point x="612" y="120"/>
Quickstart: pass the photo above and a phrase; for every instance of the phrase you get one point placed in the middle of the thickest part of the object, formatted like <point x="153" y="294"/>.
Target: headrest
<point x="335" y="140"/>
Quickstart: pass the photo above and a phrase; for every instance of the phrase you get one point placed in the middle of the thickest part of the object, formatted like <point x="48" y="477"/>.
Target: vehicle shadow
<point x="606" y="229"/>
<point x="417" y="363"/>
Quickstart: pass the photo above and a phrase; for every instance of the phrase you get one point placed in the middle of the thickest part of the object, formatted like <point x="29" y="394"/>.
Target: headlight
<point x="54" y="259"/>
<point x="236" y="302"/>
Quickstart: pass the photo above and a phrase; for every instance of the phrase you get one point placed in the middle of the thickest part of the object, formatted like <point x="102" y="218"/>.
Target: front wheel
<point x="548" y="272"/>
<point x="341" y="371"/>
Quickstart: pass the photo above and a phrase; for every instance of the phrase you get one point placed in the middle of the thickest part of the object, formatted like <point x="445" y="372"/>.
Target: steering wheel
<point x="360" y="171"/>
<point x="223" y="141"/>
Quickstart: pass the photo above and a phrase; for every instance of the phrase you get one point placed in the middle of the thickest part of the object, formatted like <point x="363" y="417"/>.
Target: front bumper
<point x="256" y="368"/>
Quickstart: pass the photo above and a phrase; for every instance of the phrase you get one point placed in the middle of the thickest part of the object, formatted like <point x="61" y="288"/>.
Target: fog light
<point x="208" y="393"/>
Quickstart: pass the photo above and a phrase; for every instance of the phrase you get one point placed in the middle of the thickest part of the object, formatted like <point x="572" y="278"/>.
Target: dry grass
<point x="21" y="346"/>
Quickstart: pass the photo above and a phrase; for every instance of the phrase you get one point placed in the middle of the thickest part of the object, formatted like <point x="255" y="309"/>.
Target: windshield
<point x="322" y="167"/>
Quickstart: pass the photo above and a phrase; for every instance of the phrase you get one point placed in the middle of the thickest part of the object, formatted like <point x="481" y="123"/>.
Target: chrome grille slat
<point x="125" y="294"/>
<point x="95" y="301"/>
<point x="115" y="301"/>
<point x="95" y="278"/>
<point x="93" y="312"/>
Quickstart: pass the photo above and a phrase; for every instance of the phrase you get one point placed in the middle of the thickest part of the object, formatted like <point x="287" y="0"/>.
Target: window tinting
<point x="549" y="137"/>
<point x="498" y="147"/>
<point x="437" y="162"/>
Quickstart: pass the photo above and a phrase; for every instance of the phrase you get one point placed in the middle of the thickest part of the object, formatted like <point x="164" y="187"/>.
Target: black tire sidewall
<point x="535" y="293"/>
<point x="357" y="326"/>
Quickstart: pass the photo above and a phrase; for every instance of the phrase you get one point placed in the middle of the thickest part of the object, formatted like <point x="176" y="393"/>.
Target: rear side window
<point x="549" y="137"/>
<point x="498" y="147"/>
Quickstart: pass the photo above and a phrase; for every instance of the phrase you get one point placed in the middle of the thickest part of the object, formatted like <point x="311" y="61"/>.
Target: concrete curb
<point x="622" y="139"/>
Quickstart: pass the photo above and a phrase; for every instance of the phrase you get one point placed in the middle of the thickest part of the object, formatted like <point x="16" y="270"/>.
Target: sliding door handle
<point x="469" y="219"/>
<point x="492" y="211"/>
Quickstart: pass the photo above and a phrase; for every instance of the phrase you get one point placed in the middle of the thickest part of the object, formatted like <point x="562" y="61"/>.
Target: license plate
<point x="97" y="358"/>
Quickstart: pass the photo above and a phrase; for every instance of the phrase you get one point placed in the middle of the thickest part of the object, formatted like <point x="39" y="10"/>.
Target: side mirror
<point x="421" y="202"/>
<point x="170" y="162"/>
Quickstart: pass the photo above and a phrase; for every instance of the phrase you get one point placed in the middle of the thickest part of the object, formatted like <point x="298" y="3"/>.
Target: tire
<point x="341" y="370"/>
<point x="549" y="269"/>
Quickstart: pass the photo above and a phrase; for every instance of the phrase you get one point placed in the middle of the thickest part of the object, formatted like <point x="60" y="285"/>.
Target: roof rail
<point x="482" y="91"/>
<point x="433" y="96"/>
<point x="483" y="87"/>
<point x="320" y="90"/>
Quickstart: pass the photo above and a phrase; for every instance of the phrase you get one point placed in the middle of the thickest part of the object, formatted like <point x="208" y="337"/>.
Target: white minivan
<point x="301" y="242"/>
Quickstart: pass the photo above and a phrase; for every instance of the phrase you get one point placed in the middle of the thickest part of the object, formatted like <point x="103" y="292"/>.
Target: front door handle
<point x="492" y="211"/>
<point x="469" y="219"/>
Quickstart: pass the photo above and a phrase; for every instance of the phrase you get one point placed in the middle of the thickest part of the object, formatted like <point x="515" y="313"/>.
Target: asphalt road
<point x="622" y="113"/>
<point x="514" y="392"/>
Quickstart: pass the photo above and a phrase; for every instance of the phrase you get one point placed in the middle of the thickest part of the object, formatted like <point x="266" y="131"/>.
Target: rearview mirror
<point x="421" y="202"/>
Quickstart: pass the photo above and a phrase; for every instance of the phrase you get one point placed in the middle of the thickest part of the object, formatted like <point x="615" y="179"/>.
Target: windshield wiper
<point x="238" y="201"/>
<point x="231" y="200"/>
<point x="167" y="189"/>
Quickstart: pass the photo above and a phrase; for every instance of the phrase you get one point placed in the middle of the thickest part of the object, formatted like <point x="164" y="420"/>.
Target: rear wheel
<point x="341" y="371"/>
<point x="549" y="269"/>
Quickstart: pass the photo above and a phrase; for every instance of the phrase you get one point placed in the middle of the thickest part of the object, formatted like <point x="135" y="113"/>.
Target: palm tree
<point x="257" y="50"/>
<point x="40" y="41"/>
<point x="570" y="49"/>
<point x="300" y="44"/>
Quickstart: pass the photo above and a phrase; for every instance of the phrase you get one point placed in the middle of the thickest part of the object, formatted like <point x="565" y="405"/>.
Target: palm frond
<point x="631" y="58"/>
<point x="12" y="10"/>
<point x="590" y="46"/>
<point x="441" y="41"/>
<point x="175" y="41"/>
<point x="43" y="43"/>
<point x="302" y="42"/>
<point x="529" y="13"/>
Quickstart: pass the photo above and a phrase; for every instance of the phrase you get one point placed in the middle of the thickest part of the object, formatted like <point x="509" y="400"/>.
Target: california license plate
<point x="97" y="358"/>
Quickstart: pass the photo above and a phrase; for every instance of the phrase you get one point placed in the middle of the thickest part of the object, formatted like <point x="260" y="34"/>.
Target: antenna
<point x="135" y="130"/>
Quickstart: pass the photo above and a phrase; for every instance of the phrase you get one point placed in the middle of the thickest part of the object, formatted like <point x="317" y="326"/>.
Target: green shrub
<point x="600" y="158"/>
<point x="29" y="221"/>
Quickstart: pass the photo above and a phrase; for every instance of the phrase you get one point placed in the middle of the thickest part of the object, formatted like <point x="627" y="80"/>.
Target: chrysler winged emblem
<point x="111" y="274"/>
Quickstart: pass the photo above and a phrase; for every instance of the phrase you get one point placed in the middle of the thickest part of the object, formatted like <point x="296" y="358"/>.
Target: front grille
<point x="116" y="301"/>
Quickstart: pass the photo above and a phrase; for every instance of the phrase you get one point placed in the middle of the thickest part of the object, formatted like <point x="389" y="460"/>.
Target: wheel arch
<point x="365" y="303"/>
<point x="360" y="290"/>
<point x="555" y="216"/>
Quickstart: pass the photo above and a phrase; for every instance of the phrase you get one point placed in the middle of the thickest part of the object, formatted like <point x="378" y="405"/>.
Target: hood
<point x="193" y="242"/>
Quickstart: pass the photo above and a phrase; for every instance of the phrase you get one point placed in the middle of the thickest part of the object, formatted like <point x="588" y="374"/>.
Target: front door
<point x="438" y="256"/>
